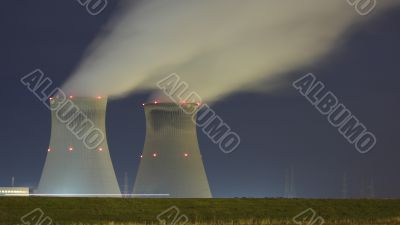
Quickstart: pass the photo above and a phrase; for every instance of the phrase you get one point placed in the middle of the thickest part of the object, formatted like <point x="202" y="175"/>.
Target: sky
<point x="279" y="129"/>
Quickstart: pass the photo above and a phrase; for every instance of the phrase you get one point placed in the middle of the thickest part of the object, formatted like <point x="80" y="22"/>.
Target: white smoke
<point x="216" y="46"/>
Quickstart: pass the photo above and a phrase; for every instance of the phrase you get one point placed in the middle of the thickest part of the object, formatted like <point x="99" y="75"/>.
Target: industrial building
<point x="14" y="191"/>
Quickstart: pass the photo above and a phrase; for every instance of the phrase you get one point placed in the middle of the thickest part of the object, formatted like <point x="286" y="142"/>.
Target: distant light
<point x="70" y="148"/>
<point x="186" y="155"/>
<point x="141" y="156"/>
<point x="71" y="97"/>
<point x="51" y="98"/>
<point x="100" y="149"/>
<point x="198" y="103"/>
<point x="99" y="97"/>
<point x="143" y="104"/>
<point x="155" y="102"/>
<point x="155" y="155"/>
<point x="49" y="149"/>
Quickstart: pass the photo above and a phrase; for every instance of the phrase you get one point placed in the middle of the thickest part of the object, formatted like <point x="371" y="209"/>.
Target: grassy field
<point x="199" y="211"/>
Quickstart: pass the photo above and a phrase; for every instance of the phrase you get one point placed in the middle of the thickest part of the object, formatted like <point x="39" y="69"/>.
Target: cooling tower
<point x="78" y="160"/>
<point x="171" y="163"/>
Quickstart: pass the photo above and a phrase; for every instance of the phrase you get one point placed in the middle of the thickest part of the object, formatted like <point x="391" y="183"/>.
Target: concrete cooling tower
<point x="78" y="160"/>
<point x="171" y="163"/>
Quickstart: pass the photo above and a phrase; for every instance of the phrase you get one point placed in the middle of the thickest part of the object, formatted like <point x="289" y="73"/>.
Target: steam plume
<point x="216" y="46"/>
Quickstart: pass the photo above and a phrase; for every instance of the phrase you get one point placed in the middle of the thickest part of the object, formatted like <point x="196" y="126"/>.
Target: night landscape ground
<point x="199" y="211"/>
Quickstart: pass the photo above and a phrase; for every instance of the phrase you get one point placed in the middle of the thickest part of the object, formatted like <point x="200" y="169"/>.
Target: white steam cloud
<point x="216" y="46"/>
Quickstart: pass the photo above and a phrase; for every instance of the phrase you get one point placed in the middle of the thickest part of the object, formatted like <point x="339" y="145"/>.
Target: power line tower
<point x="371" y="189"/>
<point x="126" y="185"/>
<point x="344" y="186"/>
<point x="292" y="184"/>
<point x="287" y="184"/>
<point x="290" y="191"/>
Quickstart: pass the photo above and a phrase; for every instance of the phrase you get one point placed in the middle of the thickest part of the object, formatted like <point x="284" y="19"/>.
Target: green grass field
<point x="199" y="211"/>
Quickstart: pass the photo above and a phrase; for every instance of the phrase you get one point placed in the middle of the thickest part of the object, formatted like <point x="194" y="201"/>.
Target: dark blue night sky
<point x="279" y="130"/>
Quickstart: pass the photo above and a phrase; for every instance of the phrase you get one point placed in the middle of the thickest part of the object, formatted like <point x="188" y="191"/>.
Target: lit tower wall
<point x="73" y="167"/>
<point x="171" y="162"/>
